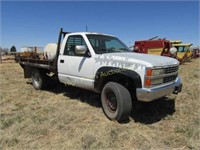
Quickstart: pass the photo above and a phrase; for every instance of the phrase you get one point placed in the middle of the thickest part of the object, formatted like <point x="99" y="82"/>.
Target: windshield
<point x="106" y="44"/>
<point x="182" y="48"/>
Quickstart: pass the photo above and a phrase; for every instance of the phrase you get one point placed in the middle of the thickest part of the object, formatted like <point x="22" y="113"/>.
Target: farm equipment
<point x="153" y="46"/>
<point x="163" y="47"/>
<point x="28" y="52"/>
<point x="184" y="53"/>
<point x="196" y="52"/>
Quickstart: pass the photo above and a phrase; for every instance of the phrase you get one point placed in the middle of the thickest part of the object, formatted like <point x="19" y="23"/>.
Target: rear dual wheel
<point x="116" y="101"/>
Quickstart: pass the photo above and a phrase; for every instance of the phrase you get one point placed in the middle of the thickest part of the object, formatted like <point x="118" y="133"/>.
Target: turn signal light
<point x="147" y="82"/>
<point x="149" y="72"/>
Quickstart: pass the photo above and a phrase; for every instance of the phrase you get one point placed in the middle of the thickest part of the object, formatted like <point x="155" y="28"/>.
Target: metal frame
<point x="44" y="64"/>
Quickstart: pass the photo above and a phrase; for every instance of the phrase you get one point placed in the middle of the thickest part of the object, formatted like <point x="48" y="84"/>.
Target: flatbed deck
<point x="37" y="63"/>
<point x="28" y="64"/>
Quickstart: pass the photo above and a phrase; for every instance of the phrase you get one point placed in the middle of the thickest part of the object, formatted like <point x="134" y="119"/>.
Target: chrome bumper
<point x="145" y="94"/>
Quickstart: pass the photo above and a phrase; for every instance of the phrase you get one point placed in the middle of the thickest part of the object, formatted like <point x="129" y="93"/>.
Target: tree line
<point x="6" y="50"/>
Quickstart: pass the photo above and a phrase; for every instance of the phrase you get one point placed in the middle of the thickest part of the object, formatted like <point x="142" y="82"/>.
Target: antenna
<point x="153" y="38"/>
<point x="86" y="28"/>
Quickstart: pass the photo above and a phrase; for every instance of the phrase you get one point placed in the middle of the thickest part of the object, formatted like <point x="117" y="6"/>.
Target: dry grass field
<point x="70" y="118"/>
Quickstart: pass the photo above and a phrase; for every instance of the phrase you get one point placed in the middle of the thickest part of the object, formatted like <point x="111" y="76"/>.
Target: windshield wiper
<point x="107" y="50"/>
<point x="125" y="49"/>
<point x="112" y="50"/>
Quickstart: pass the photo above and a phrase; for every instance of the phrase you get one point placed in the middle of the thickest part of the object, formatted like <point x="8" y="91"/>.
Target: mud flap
<point x="27" y="72"/>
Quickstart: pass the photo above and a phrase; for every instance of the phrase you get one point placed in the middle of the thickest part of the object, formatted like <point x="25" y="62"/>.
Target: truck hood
<point x="137" y="58"/>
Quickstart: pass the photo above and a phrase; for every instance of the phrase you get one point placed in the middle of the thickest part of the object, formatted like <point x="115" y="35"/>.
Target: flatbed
<point x="37" y="63"/>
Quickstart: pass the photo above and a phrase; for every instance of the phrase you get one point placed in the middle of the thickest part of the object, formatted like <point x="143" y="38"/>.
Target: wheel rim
<point x="111" y="101"/>
<point x="36" y="80"/>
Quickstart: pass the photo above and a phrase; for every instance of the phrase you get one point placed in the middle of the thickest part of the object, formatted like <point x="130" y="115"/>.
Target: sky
<point x="37" y="23"/>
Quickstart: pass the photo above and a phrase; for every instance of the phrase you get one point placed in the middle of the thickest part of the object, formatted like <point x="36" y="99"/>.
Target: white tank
<point x="50" y="51"/>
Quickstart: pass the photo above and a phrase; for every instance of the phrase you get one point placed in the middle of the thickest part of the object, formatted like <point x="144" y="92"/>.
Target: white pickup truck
<point x="103" y="64"/>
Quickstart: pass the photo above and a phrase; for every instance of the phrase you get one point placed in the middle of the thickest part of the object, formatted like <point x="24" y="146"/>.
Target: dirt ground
<point x="70" y="118"/>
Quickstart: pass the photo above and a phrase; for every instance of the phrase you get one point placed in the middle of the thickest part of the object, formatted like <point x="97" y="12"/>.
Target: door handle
<point x="62" y="61"/>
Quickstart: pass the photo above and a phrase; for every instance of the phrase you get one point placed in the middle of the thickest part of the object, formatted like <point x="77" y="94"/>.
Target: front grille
<point x="171" y="69"/>
<point x="170" y="74"/>
<point x="168" y="71"/>
<point x="169" y="78"/>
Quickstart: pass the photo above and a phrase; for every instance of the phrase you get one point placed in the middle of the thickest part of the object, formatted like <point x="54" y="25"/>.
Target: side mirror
<point x="80" y="49"/>
<point x="135" y="48"/>
<point x="173" y="50"/>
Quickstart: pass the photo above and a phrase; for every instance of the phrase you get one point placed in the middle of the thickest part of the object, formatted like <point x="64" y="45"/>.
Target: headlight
<point x="150" y="74"/>
<point x="156" y="81"/>
<point x="158" y="72"/>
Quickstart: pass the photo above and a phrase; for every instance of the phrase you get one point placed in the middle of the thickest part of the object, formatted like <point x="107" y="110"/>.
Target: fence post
<point x="0" y="58"/>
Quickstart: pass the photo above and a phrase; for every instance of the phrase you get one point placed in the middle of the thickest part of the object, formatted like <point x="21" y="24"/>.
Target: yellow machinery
<point x="183" y="50"/>
<point x="32" y="52"/>
<point x="155" y="51"/>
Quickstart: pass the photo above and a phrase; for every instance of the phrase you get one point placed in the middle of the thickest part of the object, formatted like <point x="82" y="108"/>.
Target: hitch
<point x="177" y="89"/>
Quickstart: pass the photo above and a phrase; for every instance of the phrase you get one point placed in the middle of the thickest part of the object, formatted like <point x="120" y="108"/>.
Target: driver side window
<point x="72" y="42"/>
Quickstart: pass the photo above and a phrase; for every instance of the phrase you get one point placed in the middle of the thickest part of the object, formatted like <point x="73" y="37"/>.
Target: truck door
<point x="73" y="69"/>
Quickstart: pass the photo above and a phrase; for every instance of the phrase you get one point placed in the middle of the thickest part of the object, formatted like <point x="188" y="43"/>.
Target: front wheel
<point x="116" y="101"/>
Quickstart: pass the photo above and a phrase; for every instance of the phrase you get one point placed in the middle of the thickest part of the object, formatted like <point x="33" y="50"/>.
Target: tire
<point x="38" y="80"/>
<point x="116" y="101"/>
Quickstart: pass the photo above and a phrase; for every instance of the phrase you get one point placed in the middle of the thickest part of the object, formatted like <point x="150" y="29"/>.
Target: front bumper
<point x="145" y="94"/>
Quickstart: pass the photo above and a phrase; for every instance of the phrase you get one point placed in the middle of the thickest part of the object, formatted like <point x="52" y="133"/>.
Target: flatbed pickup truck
<point x="103" y="64"/>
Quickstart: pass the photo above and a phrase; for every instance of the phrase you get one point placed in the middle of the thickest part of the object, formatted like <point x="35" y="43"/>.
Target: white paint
<point x="82" y="70"/>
